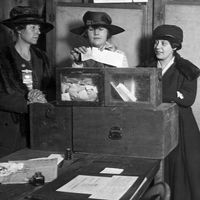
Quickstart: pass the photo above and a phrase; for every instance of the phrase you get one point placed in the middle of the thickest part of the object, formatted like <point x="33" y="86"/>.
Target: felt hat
<point x="91" y="18"/>
<point x="172" y="33"/>
<point x="22" y="15"/>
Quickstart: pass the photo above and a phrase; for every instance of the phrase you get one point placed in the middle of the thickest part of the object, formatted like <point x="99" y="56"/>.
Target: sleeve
<point x="188" y="91"/>
<point x="75" y="65"/>
<point x="13" y="101"/>
<point x="185" y="95"/>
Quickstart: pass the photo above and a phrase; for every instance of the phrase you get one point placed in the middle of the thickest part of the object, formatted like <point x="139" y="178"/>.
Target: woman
<point x="25" y="75"/>
<point x="98" y="30"/>
<point x="179" y="79"/>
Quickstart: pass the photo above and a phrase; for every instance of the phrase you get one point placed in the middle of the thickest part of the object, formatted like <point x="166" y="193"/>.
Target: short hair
<point x="19" y="28"/>
<point x="175" y="45"/>
<point x="85" y="35"/>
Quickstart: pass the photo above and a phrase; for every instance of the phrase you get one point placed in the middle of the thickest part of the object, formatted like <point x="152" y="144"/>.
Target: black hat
<point x="172" y="33"/>
<point x="97" y="19"/>
<point x="26" y="15"/>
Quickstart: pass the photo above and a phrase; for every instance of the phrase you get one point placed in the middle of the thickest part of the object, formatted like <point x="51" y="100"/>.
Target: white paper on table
<point x="84" y="184"/>
<point x="115" y="188"/>
<point x="59" y="157"/>
<point x="109" y="170"/>
<point x="105" y="56"/>
<point x="113" y="1"/>
<point x="120" y="1"/>
<point x="140" y="1"/>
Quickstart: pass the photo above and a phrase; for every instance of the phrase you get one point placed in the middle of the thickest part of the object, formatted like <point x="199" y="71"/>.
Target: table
<point x="81" y="164"/>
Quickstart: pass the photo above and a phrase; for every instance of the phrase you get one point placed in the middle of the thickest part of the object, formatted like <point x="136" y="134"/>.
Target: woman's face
<point x="97" y="36"/>
<point x="30" y="34"/>
<point x="163" y="50"/>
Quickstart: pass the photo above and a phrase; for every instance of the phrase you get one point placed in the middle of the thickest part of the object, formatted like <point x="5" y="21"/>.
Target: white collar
<point x="166" y="67"/>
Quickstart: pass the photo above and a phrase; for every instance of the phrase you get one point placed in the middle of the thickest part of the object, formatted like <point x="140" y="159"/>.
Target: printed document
<point x="108" y="188"/>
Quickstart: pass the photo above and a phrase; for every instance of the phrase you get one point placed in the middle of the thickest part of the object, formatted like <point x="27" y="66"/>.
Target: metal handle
<point x="115" y="133"/>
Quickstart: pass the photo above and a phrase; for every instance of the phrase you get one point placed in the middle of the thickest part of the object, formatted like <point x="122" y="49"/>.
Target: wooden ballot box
<point x="127" y="117"/>
<point x="109" y="111"/>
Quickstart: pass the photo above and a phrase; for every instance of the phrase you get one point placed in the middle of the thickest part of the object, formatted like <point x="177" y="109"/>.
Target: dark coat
<point x="14" y="121"/>
<point x="182" y="166"/>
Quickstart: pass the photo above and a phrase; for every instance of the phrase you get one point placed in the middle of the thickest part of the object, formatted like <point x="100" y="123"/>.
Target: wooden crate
<point x="144" y="133"/>
<point x="50" y="127"/>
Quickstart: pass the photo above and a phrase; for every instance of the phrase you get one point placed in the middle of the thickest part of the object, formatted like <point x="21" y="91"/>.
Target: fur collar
<point x="185" y="67"/>
<point x="188" y="69"/>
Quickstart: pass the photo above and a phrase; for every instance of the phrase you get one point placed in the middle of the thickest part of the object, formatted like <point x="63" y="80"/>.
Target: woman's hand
<point x="76" y="53"/>
<point x="36" y="96"/>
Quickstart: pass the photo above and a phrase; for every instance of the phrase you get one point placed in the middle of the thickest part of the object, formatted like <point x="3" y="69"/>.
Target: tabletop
<point x="81" y="164"/>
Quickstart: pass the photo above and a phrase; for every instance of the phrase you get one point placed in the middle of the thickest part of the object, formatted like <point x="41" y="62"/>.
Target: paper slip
<point x="140" y="1"/>
<point x="105" y="56"/>
<point x="113" y="1"/>
<point x="109" y="170"/>
<point x="124" y="93"/>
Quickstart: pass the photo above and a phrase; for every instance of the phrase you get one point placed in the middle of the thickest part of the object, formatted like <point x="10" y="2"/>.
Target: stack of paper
<point x="124" y="93"/>
<point x="21" y="171"/>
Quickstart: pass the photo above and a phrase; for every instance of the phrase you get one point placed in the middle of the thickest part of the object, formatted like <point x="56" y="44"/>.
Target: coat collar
<point x="188" y="69"/>
<point x="185" y="67"/>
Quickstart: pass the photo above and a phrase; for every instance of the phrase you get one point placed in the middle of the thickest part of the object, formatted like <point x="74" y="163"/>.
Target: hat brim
<point x="44" y="26"/>
<point x="113" y="29"/>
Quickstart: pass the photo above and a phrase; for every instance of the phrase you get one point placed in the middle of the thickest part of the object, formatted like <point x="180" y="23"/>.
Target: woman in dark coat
<point x="24" y="77"/>
<point x="179" y="79"/>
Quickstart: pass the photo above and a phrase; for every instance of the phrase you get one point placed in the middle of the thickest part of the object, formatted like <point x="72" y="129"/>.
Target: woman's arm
<point x="185" y="95"/>
<point x="13" y="102"/>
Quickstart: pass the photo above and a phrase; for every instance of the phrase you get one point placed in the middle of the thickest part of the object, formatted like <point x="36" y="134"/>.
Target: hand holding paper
<point x="105" y="56"/>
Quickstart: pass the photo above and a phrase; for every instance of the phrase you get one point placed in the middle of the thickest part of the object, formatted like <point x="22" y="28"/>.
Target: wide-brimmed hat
<point x="20" y="15"/>
<point x="91" y="18"/>
<point x="172" y="33"/>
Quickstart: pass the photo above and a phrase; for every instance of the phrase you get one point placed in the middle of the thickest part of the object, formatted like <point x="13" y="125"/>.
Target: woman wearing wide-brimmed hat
<point x="179" y="80"/>
<point x="25" y="75"/>
<point x="98" y="29"/>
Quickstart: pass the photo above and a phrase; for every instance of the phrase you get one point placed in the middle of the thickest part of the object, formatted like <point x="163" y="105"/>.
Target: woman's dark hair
<point x="85" y="35"/>
<point x="174" y="45"/>
<point x="19" y="28"/>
